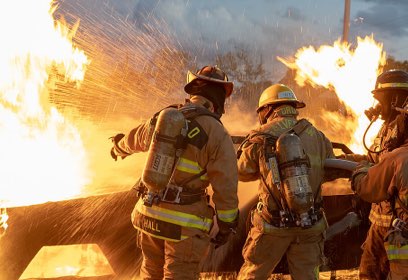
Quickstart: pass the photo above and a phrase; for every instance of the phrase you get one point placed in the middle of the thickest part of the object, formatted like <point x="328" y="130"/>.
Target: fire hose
<point x="340" y="164"/>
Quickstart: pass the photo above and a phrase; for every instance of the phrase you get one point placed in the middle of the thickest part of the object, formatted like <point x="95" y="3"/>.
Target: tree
<point x="394" y="64"/>
<point x="249" y="76"/>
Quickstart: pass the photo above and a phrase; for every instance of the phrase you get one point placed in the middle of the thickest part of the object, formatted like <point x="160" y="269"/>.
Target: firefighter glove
<point x="361" y="170"/>
<point x="116" y="151"/>
<point x="225" y="229"/>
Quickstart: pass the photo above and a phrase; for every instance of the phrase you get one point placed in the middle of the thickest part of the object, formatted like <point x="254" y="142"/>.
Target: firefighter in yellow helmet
<point x="386" y="183"/>
<point x="188" y="149"/>
<point x="287" y="156"/>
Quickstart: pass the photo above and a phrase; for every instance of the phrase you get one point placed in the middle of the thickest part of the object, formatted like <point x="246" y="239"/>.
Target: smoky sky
<point x="388" y="18"/>
<point x="266" y="28"/>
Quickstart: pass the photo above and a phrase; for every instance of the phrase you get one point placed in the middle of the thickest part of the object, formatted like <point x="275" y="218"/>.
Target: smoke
<point x="237" y="121"/>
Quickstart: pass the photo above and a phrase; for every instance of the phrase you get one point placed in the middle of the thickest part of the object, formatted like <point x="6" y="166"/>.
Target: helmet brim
<point x="388" y="89"/>
<point x="192" y="77"/>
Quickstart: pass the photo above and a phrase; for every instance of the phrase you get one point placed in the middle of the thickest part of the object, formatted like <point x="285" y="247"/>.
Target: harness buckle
<point x="150" y="198"/>
<point x="399" y="224"/>
<point x="172" y="194"/>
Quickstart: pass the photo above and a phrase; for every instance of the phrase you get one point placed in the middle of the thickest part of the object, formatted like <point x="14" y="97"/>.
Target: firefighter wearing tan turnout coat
<point x="278" y="226"/>
<point x="386" y="183"/>
<point x="174" y="223"/>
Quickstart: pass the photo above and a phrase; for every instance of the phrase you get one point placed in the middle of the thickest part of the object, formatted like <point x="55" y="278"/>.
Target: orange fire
<point x="43" y="158"/>
<point x="3" y="221"/>
<point x="351" y="73"/>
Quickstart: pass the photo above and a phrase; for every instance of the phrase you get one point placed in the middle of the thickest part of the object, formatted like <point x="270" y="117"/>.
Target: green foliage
<point x="395" y="64"/>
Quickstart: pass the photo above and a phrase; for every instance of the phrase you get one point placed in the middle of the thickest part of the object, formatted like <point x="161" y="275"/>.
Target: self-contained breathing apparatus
<point x="165" y="149"/>
<point x="169" y="129"/>
<point x="294" y="168"/>
<point x="288" y="167"/>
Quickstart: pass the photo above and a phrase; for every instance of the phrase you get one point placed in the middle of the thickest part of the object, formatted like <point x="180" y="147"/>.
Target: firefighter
<point x="287" y="156"/>
<point x="386" y="183"/>
<point x="174" y="218"/>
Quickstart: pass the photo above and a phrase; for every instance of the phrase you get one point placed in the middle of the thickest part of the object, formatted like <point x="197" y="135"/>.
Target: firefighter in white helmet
<point x="286" y="155"/>
<point x="189" y="149"/>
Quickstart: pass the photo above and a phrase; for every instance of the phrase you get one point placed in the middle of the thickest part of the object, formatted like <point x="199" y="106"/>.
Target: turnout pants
<point x="374" y="264"/>
<point x="266" y="245"/>
<point x="396" y="245"/>
<point x="173" y="260"/>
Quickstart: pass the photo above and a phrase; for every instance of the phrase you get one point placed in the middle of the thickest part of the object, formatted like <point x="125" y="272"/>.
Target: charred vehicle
<point x="105" y="220"/>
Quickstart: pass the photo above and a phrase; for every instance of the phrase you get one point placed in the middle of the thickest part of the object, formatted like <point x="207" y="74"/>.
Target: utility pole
<point x="346" y="24"/>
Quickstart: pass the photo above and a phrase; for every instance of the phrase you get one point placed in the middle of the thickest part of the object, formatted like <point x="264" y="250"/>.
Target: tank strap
<point x="190" y="179"/>
<point x="192" y="112"/>
<point x="184" y="195"/>
<point x="300" y="126"/>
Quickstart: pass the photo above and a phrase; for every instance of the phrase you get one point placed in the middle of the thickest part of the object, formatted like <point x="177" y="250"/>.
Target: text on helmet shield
<point x="286" y="94"/>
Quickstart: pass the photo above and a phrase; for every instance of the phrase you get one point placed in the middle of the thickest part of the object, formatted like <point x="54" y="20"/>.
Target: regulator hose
<point x="364" y="136"/>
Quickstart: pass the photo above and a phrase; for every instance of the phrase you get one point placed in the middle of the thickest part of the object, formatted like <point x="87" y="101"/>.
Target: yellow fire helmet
<point x="211" y="74"/>
<point x="278" y="94"/>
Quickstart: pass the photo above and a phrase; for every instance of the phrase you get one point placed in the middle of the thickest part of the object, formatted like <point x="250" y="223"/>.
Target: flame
<point x="3" y="221"/>
<point x="351" y="73"/>
<point x="43" y="157"/>
<point x="68" y="261"/>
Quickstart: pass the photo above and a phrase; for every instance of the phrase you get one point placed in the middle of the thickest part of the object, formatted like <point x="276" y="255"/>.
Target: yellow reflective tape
<point x="183" y="237"/>
<point x="191" y="167"/>
<point x="393" y="85"/>
<point x="193" y="132"/>
<point x="227" y="215"/>
<point x="202" y="177"/>
<point x="397" y="253"/>
<point x="175" y="217"/>
<point x="191" y="163"/>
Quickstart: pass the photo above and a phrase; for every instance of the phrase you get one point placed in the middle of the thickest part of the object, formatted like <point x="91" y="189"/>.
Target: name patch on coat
<point x="157" y="227"/>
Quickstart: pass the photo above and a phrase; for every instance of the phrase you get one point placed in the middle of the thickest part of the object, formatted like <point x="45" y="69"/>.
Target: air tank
<point x="294" y="168"/>
<point x="162" y="150"/>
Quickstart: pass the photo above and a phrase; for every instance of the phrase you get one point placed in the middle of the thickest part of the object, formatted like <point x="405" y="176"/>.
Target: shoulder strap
<point x="191" y="112"/>
<point x="257" y="137"/>
<point x="300" y="126"/>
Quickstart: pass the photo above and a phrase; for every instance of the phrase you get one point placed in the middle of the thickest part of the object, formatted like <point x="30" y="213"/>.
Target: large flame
<point x="43" y="157"/>
<point x="351" y="72"/>
<point x="3" y="220"/>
